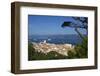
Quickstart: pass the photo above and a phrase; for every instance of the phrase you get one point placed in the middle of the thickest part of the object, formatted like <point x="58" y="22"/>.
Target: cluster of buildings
<point x="47" y="47"/>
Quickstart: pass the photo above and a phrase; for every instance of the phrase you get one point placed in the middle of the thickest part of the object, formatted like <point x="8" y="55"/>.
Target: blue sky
<point x="45" y="25"/>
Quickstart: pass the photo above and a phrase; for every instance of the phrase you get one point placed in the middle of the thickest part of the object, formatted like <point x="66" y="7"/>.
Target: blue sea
<point x="56" y="39"/>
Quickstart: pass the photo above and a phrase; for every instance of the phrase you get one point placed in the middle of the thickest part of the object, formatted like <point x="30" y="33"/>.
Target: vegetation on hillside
<point x="80" y="51"/>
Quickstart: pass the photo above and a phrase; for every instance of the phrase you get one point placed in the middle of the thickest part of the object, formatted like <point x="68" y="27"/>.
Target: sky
<point x="49" y="25"/>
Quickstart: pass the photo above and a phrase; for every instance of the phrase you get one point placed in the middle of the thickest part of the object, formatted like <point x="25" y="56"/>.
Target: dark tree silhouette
<point x="79" y="22"/>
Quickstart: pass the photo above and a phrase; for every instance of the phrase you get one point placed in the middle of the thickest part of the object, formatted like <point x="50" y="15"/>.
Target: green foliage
<point x="80" y="50"/>
<point x="34" y="55"/>
<point x="71" y="55"/>
<point x="55" y="55"/>
<point x="31" y="51"/>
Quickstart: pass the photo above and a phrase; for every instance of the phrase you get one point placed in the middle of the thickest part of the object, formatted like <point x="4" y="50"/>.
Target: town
<point x="45" y="47"/>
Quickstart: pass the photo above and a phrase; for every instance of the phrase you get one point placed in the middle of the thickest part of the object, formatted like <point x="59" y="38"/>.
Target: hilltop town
<point x="45" y="47"/>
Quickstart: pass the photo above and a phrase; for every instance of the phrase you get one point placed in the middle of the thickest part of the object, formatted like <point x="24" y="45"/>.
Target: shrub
<point x="81" y="50"/>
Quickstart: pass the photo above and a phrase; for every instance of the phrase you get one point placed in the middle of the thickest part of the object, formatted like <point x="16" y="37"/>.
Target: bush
<point x="34" y="55"/>
<point x="55" y="55"/>
<point x="81" y="50"/>
<point x="31" y="51"/>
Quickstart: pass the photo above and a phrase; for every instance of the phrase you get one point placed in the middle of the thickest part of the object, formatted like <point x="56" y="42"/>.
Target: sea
<point x="56" y="39"/>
